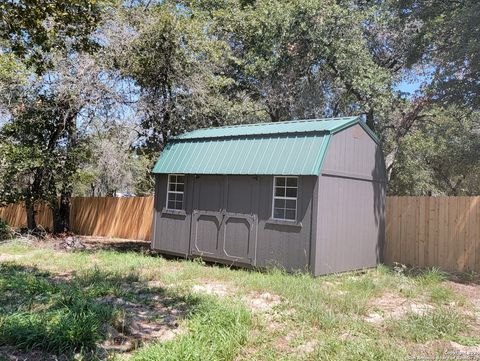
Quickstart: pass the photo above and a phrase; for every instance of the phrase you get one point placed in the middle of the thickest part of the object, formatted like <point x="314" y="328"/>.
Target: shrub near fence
<point x="420" y="231"/>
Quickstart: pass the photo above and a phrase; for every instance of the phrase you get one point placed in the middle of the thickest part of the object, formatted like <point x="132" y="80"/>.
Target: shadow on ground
<point x="117" y="245"/>
<point x="95" y="313"/>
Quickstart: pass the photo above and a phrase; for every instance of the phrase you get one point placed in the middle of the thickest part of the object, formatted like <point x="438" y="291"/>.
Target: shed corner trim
<point x="323" y="152"/>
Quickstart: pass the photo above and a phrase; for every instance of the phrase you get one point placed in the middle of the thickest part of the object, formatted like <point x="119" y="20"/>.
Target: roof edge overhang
<point x="360" y="122"/>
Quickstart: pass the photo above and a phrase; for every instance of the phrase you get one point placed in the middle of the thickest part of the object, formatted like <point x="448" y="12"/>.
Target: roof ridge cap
<point x="267" y="123"/>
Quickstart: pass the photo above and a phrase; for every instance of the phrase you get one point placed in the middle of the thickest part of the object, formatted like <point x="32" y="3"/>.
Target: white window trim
<point x="287" y="198"/>
<point x="175" y="192"/>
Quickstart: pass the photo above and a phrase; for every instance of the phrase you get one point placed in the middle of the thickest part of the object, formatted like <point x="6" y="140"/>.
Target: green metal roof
<point x="285" y="148"/>
<point x="294" y="126"/>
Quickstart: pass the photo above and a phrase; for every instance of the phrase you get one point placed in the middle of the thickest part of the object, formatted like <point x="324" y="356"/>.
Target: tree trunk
<point x="30" y="210"/>
<point x="31" y="196"/>
<point x="371" y="120"/>
<point x="62" y="205"/>
<point x="61" y="214"/>
<point x="53" y="204"/>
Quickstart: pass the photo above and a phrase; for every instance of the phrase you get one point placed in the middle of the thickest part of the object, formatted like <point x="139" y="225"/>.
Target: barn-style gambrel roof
<point x="285" y="148"/>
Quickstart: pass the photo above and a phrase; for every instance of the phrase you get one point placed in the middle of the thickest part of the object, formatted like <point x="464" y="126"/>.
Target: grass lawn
<point x="124" y="304"/>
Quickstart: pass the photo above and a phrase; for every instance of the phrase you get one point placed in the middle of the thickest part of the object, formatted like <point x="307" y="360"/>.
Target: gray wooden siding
<point x="353" y="153"/>
<point x="282" y="243"/>
<point x="351" y="204"/>
<point x="171" y="231"/>
<point x="228" y="218"/>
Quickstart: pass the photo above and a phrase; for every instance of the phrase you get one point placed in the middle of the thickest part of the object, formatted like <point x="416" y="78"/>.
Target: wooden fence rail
<point x="420" y="231"/>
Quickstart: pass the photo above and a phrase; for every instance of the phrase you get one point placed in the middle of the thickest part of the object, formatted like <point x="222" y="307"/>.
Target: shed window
<point x="176" y="186"/>
<point x="285" y="190"/>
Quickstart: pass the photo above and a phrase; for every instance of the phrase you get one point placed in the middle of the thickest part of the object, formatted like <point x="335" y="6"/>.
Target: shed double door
<point x="224" y="218"/>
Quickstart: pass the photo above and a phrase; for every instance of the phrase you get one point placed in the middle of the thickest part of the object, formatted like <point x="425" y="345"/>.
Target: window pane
<point x="180" y="179"/>
<point x="278" y="213"/>
<point x="173" y="179"/>
<point x="279" y="203"/>
<point x="292" y="182"/>
<point x="279" y="192"/>
<point x="280" y="181"/>
<point x="178" y="205"/>
<point x="290" y="214"/>
<point x="180" y="187"/>
<point x="172" y="186"/>
<point x="291" y="204"/>
<point x="171" y="204"/>
<point x="292" y="192"/>
<point x="171" y="196"/>
<point x="179" y="197"/>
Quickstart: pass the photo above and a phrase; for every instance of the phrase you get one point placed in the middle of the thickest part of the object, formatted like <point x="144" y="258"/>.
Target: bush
<point x="5" y="230"/>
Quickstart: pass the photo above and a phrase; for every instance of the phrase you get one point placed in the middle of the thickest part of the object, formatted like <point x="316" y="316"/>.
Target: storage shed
<point x="303" y="195"/>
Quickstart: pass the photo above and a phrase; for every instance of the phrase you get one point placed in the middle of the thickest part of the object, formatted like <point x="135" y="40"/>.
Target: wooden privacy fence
<point x="433" y="231"/>
<point x="420" y="231"/>
<point x="16" y="216"/>
<point x="129" y="218"/>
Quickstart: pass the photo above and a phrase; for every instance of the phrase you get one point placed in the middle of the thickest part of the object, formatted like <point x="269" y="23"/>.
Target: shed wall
<point x="351" y="204"/>
<point x="283" y="244"/>
<point x="172" y="231"/>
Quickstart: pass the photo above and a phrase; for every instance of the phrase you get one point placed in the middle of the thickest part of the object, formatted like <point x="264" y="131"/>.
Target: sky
<point x="412" y="83"/>
<point x="409" y="87"/>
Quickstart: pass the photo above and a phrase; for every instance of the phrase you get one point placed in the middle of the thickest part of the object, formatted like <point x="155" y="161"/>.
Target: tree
<point x="447" y="42"/>
<point x="440" y="155"/>
<point x="43" y="140"/>
<point x="302" y="59"/>
<point x="37" y="148"/>
<point x="112" y="165"/>
<point x="33" y="28"/>
<point x="180" y="72"/>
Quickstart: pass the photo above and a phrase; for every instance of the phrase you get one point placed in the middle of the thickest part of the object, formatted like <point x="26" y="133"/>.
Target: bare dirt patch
<point x="79" y="243"/>
<point x="443" y="350"/>
<point x="262" y="302"/>
<point x="393" y="306"/>
<point x="72" y="243"/>
<point x="12" y="354"/>
<point x="470" y="291"/>
<point x="115" y="244"/>
<point x="430" y="350"/>
<point x="307" y="347"/>
<point x="265" y="305"/>
<point x="465" y="352"/>
<point x="62" y="277"/>
<point x="141" y="323"/>
<point x="214" y="288"/>
<point x="10" y="257"/>
<point x="284" y="343"/>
